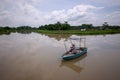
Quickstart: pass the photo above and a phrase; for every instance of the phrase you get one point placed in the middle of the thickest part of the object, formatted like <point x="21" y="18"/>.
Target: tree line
<point x="66" y="26"/>
<point x="58" y="26"/>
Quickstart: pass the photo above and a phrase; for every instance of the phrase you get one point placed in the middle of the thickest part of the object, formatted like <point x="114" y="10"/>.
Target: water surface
<point x="38" y="57"/>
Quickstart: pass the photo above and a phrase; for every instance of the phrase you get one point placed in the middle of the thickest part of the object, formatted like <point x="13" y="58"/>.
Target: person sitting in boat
<point x="72" y="50"/>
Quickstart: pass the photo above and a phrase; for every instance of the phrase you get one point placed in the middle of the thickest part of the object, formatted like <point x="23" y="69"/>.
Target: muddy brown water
<point x="38" y="57"/>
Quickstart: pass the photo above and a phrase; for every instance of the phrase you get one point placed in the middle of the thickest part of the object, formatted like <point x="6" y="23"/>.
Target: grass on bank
<point x="87" y="32"/>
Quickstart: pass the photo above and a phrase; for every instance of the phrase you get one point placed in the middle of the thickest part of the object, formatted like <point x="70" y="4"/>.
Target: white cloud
<point x="25" y="12"/>
<point x="76" y="16"/>
<point x="16" y="13"/>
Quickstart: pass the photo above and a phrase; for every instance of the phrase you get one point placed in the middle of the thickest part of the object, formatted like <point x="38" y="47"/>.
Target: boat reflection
<point x="71" y="63"/>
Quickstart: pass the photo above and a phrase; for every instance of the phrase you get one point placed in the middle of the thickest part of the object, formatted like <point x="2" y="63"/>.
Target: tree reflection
<point x="59" y="36"/>
<point x="21" y="32"/>
<point x="6" y="33"/>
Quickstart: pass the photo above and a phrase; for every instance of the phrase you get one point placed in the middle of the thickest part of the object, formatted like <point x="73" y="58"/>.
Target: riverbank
<point x="87" y="32"/>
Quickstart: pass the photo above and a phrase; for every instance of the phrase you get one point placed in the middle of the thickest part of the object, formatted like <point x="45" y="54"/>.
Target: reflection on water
<point x="71" y="63"/>
<point x="38" y="57"/>
<point x="19" y="31"/>
<point x="59" y="37"/>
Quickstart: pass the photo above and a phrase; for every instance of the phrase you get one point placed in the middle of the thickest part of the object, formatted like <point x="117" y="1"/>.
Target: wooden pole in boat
<point x="71" y="41"/>
<point x="84" y="42"/>
<point x="80" y="43"/>
<point x="65" y="46"/>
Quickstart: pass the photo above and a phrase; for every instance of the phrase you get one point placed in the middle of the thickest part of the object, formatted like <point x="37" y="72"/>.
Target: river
<point x="37" y="56"/>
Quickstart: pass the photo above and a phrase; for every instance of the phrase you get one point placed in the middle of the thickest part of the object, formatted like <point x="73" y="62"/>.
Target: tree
<point x="58" y="25"/>
<point x="65" y="26"/>
<point x="105" y="26"/>
<point x="86" y="26"/>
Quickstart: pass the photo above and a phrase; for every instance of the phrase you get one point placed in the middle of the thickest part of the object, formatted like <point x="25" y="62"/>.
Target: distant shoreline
<point x="87" y="32"/>
<point x="78" y="32"/>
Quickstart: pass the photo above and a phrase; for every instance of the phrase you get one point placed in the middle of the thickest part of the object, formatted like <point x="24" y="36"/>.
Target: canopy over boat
<point x="79" y="50"/>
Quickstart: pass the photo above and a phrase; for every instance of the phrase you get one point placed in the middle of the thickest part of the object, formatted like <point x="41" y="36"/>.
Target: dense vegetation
<point x="20" y="29"/>
<point x="64" y="28"/>
<point x="56" y="26"/>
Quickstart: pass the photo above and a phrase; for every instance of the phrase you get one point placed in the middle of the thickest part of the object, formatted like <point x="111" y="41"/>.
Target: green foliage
<point x="105" y="25"/>
<point x="88" y="32"/>
<point x="24" y="28"/>
<point x="21" y="29"/>
<point x="86" y="26"/>
<point x="56" y="26"/>
<point x="63" y="28"/>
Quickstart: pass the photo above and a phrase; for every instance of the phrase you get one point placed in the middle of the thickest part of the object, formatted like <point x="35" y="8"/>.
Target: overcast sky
<point x="76" y="12"/>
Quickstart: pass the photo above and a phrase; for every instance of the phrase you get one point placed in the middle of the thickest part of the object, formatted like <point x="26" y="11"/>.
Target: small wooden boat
<point x="79" y="52"/>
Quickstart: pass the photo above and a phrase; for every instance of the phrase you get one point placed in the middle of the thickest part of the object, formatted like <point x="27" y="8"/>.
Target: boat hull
<point x="73" y="56"/>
